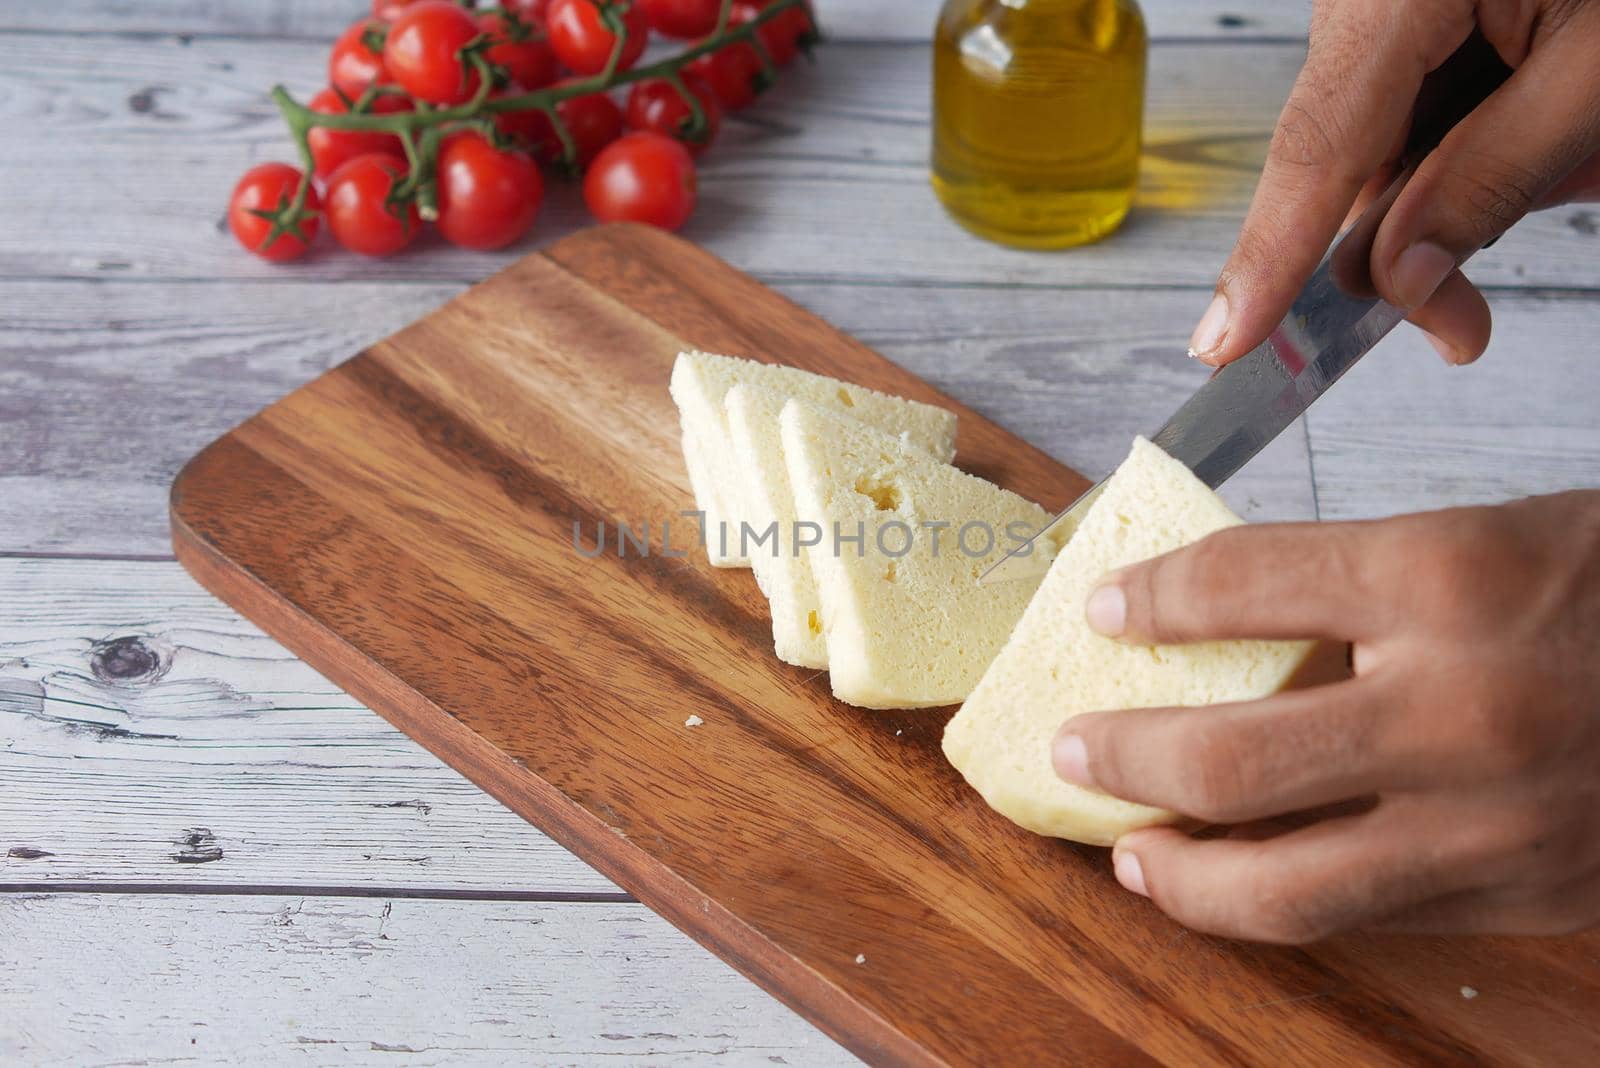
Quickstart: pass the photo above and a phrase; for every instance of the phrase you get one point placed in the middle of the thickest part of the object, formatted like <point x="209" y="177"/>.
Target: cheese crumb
<point x="1468" y="992"/>
<point x="861" y="958"/>
<point x="693" y="721"/>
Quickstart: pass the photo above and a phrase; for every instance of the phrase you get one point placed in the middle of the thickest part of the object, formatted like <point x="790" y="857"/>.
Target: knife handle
<point x="1448" y="95"/>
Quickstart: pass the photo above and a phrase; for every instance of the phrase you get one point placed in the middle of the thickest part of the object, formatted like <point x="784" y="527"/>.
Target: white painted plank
<point x="1405" y="432"/>
<point x="825" y="179"/>
<point x="868" y="19"/>
<point x="216" y="758"/>
<point x="112" y="387"/>
<point x="147" y="979"/>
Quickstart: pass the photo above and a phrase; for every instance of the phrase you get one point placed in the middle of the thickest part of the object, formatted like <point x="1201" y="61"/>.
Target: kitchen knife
<point x="1336" y="320"/>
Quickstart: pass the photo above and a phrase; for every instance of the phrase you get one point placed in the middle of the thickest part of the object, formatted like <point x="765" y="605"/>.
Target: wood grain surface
<point x="405" y="523"/>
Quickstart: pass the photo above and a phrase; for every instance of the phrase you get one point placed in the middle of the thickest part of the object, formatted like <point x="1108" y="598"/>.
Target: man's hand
<point x="1533" y="144"/>
<point x="1463" y="754"/>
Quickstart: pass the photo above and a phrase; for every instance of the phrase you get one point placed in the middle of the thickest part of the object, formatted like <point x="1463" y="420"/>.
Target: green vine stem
<point x="421" y="130"/>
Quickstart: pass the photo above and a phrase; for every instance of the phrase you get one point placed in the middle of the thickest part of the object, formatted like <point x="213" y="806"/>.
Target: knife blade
<point x="1336" y="320"/>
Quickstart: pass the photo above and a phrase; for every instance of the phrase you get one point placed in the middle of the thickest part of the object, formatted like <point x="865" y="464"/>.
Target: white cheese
<point x="700" y="382"/>
<point x="905" y="621"/>
<point x="1055" y="667"/>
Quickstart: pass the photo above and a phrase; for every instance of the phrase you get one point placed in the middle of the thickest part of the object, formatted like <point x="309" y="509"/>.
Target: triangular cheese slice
<point x="906" y="623"/>
<point x="783" y="569"/>
<point x="700" y="382"/>
<point x="1055" y="667"/>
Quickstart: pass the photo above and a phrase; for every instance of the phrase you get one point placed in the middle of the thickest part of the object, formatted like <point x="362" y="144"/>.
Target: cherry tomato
<point x="359" y="214"/>
<point x="269" y="187"/>
<point x="421" y="52"/>
<point x="781" y="34"/>
<point x="654" y="104"/>
<point x="330" y="148"/>
<point x="733" y="71"/>
<point x="594" y="120"/>
<point x="352" y="66"/>
<point x="522" y="50"/>
<point x="582" y="40"/>
<point x="686" y="19"/>
<point x="644" y="177"/>
<point x="487" y="197"/>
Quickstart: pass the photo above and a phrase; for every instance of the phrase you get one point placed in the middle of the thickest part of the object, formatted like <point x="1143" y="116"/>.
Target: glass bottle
<point x="1037" y="112"/>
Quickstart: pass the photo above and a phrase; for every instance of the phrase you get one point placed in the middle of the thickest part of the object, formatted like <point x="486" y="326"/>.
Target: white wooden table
<point x="207" y="851"/>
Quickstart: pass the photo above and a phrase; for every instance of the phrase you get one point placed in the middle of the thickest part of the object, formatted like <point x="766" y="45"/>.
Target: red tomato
<point x="531" y="10"/>
<point x="734" y="71"/>
<point x="655" y="105"/>
<point x="644" y="177"/>
<point x="421" y="52"/>
<point x="594" y="120"/>
<point x="781" y="34"/>
<point x="686" y="19"/>
<point x="487" y="197"/>
<point x="352" y="66"/>
<point x="358" y="210"/>
<point x="523" y="51"/>
<point x="582" y="40"/>
<point x="269" y="187"/>
<point x="330" y="148"/>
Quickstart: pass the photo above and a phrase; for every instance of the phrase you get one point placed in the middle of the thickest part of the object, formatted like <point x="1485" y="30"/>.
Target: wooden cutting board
<point x="405" y="524"/>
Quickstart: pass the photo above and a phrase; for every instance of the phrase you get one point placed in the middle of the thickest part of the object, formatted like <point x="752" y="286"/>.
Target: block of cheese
<point x="700" y="382"/>
<point x="905" y="621"/>
<point x="783" y="570"/>
<point x="1055" y="667"/>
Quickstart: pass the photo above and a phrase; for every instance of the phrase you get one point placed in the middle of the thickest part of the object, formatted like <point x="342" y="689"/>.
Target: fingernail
<point x="1071" y="759"/>
<point x="1418" y="272"/>
<point x="1107" y="610"/>
<point x="1129" y="873"/>
<point x="1213" y="328"/>
<point x="1452" y="355"/>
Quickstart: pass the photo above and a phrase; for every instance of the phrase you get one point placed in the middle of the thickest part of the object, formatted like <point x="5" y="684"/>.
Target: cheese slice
<point x="783" y="570"/>
<point x="700" y="382"/>
<point x="905" y="621"/>
<point x="1055" y="667"/>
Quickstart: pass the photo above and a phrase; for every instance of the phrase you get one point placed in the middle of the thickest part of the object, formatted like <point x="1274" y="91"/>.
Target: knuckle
<point x="1540" y="844"/>
<point x="1503" y="740"/>
<point x="1215" y="777"/>
<point x="1306" y="137"/>
<point x="1279" y="912"/>
<point x="1190" y="584"/>
<point x="1449" y="562"/>
<point x="1488" y="193"/>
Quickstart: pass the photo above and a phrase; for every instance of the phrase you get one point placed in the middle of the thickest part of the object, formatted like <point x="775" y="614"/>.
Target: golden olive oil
<point x="1037" y="111"/>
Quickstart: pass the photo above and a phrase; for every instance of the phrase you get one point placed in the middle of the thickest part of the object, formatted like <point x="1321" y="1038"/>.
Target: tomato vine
<point x="422" y="127"/>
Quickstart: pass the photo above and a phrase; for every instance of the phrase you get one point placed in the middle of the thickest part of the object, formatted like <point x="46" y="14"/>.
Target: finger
<point x="1572" y="907"/>
<point x="1348" y="106"/>
<point x="1248" y="761"/>
<point x="1581" y="185"/>
<point x="1293" y="889"/>
<point x="1455" y="320"/>
<point x="1380" y="178"/>
<point x="1286" y="580"/>
<point x="1495" y="166"/>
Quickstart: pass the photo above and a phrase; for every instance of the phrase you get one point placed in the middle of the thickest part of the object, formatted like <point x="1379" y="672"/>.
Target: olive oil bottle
<point x="1037" y="112"/>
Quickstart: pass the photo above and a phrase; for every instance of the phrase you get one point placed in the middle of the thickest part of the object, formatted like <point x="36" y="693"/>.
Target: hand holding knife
<point x="1337" y="319"/>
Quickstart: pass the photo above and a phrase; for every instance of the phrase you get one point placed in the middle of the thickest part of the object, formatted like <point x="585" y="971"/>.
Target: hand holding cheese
<point x="1054" y="668"/>
<point x="1469" y="734"/>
